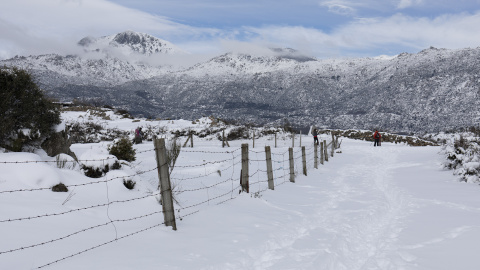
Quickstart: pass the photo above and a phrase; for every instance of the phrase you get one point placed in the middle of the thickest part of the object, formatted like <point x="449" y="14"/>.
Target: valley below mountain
<point x="433" y="90"/>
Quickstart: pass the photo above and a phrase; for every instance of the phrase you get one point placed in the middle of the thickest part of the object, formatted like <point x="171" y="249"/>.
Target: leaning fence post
<point x="244" y="174"/>
<point x="315" y="155"/>
<point x="292" y="168"/>
<point x="325" y="149"/>
<point x="304" y="161"/>
<point x="166" y="196"/>
<point x="188" y="138"/>
<point x="268" y="158"/>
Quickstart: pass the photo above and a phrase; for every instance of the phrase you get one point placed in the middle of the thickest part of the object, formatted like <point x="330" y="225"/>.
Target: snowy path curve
<point x="354" y="222"/>
<point x="367" y="209"/>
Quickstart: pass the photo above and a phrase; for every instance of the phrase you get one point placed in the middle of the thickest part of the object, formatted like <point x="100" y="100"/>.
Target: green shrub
<point x="95" y="172"/>
<point x="27" y="116"/>
<point x="129" y="184"/>
<point x="123" y="149"/>
<point x="60" y="188"/>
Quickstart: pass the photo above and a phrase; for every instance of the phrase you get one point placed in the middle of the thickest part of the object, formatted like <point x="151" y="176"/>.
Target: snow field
<point x="390" y="207"/>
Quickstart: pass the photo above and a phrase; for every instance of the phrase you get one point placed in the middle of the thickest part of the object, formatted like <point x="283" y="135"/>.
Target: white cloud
<point x="368" y="35"/>
<point x="32" y="26"/>
<point x="47" y="26"/>
<point x="341" y="7"/>
<point x="446" y="31"/>
<point x="402" y="4"/>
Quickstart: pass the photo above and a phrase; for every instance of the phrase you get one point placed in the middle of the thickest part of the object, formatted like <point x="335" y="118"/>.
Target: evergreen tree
<point x="27" y="116"/>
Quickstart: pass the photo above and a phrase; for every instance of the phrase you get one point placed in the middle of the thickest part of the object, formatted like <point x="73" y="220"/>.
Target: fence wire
<point x="195" y="186"/>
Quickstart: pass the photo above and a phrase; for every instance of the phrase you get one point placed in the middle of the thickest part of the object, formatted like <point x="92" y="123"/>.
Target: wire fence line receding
<point x="200" y="178"/>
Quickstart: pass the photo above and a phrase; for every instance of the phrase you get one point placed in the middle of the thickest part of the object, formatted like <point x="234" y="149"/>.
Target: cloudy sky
<point x="321" y="28"/>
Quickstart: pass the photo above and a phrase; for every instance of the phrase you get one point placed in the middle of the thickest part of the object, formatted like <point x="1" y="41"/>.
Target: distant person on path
<point x="315" y="134"/>
<point x="377" y="137"/>
<point x="138" y="135"/>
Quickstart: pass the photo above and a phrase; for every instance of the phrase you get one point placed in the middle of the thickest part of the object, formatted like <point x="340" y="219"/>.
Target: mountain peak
<point x="134" y="38"/>
<point x="129" y="42"/>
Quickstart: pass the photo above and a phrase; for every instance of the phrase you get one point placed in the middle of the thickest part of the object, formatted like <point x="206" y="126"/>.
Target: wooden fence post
<point x="268" y="158"/>
<point x="300" y="138"/>
<point x="275" y="140"/>
<point x="325" y="149"/>
<point x="223" y="138"/>
<point x="188" y="138"/>
<point x="322" y="153"/>
<point x="191" y="139"/>
<point x="253" y="146"/>
<point x="292" y="168"/>
<point x="333" y="148"/>
<point x="164" y="185"/>
<point x="315" y="155"/>
<point x="244" y="174"/>
<point x="304" y="161"/>
<point x="293" y="139"/>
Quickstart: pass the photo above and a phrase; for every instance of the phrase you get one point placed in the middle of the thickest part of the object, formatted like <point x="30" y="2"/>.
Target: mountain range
<point x="429" y="91"/>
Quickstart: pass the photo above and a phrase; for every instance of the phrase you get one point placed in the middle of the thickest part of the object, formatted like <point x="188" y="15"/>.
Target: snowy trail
<point x="356" y="218"/>
<point x="354" y="212"/>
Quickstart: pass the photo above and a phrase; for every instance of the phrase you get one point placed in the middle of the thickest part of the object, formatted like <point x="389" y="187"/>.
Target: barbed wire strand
<point x="77" y="209"/>
<point x="108" y="208"/>
<point x="80" y="231"/>
<point x="79" y="185"/>
<point x="101" y="245"/>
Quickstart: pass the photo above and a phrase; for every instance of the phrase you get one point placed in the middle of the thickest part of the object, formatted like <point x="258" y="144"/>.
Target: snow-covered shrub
<point x="463" y="157"/>
<point x="92" y="132"/>
<point x="96" y="162"/>
<point x="84" y="132"/>
<point x="95" y="172"/>
<point x="60" y="188"/>
<point x="173" y="151"/>
<point x="123" y="149"/>
<point x="241" y="132"/>
<point x="64" y="161"/>
<point x="129" y="184"/>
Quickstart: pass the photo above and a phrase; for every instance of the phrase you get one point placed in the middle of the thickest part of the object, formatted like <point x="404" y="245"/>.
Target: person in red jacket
<point x="377" y="137"/>
<point x="315" y="134"/>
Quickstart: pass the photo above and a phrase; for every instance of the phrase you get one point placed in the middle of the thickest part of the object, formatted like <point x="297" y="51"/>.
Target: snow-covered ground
<point x="389" y="207"/>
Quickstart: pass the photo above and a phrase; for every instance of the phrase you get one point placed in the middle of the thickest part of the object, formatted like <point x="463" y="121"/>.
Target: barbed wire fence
<point x="193" y="186"/>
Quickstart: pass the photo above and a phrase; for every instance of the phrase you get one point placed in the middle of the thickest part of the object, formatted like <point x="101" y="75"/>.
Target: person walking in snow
<point x="377" y="137"/>
<point x="315" y="134"/>
<point x="138" y="136"/>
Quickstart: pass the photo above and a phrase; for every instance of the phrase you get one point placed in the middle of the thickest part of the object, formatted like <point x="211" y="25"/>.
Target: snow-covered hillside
<point x="430" y="91"/>
<point x="388" y="207"/>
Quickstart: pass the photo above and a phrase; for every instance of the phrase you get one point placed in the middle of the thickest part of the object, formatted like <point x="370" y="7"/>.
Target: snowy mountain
<point x="106" y="61"/>
<point x="433" y="90"/>
<point x="129" y="42"/>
